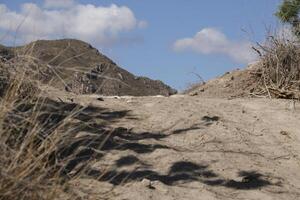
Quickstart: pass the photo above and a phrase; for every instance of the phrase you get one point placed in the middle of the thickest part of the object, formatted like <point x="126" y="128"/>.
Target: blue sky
<point x="158" y="38"/>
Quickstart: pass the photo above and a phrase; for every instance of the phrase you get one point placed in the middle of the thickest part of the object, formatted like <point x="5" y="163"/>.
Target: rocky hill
<point x="76" y="66"/>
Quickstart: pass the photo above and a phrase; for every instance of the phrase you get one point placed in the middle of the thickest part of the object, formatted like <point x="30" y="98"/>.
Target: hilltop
<point x="76" y="66"/>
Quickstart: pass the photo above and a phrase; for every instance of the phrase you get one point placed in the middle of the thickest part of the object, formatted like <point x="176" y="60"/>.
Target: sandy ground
<point x="191" y="147"/>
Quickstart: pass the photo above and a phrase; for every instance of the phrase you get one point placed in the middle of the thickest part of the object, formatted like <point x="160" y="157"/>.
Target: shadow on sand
<point x="90" y="138"/>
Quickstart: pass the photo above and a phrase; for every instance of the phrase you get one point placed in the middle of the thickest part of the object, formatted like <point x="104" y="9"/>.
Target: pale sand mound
<point x="237" y="83"/>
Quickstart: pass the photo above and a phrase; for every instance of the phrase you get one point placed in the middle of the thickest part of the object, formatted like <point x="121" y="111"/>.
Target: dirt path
<point x="184" y="147"/>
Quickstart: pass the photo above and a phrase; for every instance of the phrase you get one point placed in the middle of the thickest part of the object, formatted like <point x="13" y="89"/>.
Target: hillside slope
<point x="237" y="83"/>
<point x="78" y="67"/>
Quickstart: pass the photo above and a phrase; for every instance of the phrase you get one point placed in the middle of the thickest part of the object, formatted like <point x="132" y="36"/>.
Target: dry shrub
<point x="33" y="132"/>
<point x="280" y="72"/>
<point x="24" y="173"/>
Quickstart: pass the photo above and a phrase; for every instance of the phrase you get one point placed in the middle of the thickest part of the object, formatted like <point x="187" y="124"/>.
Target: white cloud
<point x="94" y="24"/>
<point x="143" y="24"/>
<point x="212" y="41"/>
<point x="58" y="3"/>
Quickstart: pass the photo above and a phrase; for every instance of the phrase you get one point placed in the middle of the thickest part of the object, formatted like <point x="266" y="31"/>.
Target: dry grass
<point x="23" y="162"/>
<point x="280" y="72"/>
<point x="31" y="137"/>
<point x="20" y="165"/>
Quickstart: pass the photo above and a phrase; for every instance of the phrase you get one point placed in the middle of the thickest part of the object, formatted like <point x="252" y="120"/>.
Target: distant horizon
<point x="172" y="44"/>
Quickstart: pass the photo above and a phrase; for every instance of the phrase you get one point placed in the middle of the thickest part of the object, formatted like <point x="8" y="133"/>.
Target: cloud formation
<point x="212" y="41"/>
<point x="63" y="18"/>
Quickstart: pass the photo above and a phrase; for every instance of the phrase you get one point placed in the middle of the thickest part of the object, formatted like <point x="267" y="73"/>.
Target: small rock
<point x="159" y="186"/>
<point x="71" y="99"/>
<point x="194" y="93"/>
<point x="147" y="183"/>
<point x="120" y="76"/>
<point x="100" y="99"/>
<point x="285" y="133"/>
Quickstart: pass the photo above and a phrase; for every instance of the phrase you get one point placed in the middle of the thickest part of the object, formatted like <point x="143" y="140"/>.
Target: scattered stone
<point x="120" y="76"/>
<point x="147" y="183"/>
<point x="194" y="93"/>
<point x="210" y="119"/>
<point x="285" y="133"/>
<point x="100" y="99"/>
<point x="70" y="99"/>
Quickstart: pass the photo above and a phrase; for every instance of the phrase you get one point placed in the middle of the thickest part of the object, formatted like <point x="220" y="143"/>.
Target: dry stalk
<point x="280" y="75"/>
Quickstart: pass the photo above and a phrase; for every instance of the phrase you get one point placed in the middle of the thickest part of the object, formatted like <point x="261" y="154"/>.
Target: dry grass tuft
<point x="33" y="133"/>
<point x="24" y="169"/>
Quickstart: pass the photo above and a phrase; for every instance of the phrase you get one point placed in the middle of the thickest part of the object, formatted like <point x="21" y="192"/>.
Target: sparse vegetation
<point x="280" y="57"/>
<point x="33" y="135"/>
<point x="24" y="168"/>
<point x="280" y="68"/>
